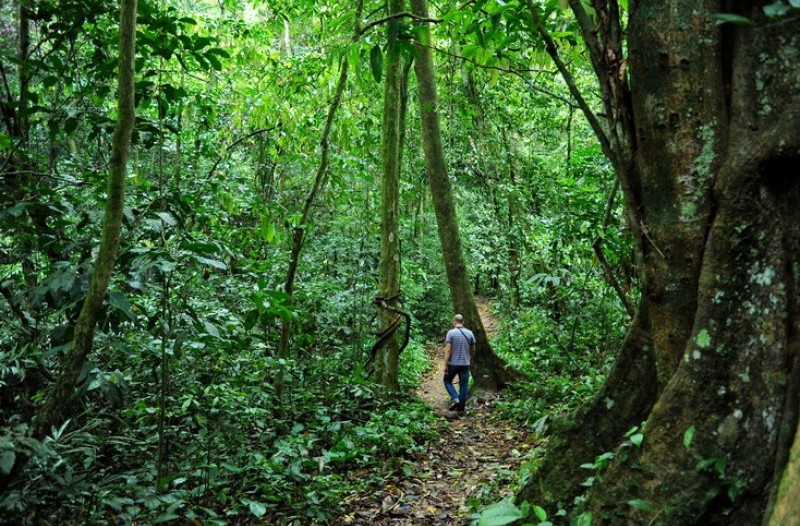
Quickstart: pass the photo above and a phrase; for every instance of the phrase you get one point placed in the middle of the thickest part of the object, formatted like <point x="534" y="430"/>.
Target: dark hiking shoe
<point x="453" y="415"/>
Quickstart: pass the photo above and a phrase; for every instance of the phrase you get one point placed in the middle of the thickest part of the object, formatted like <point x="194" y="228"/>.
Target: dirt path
<point x="475" y="460"/>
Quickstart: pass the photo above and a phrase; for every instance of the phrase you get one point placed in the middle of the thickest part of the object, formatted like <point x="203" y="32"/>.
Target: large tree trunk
<point x="786" y="511"/>
<point x="58" y="402"/>
<point x="708" y="164"/>
<point x="490" y="371"/>
<point x="386" y="360"/>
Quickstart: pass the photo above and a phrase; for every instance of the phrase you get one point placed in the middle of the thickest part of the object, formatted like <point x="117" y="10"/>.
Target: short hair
<point x="458" y="318"/>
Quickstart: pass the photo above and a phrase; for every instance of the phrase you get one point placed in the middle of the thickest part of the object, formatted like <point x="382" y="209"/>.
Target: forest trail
<point x="431" y="389"/>
<point x="475" y="460"/>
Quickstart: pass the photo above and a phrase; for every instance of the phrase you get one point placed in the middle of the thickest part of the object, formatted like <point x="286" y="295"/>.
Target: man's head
<point x="458" y="319"/>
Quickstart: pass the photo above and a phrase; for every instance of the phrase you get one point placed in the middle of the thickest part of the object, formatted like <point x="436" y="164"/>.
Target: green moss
<point x="764" y="277"/>
<point x="703" y="339"/>
<point x="703" y="163"/>
<point x="695" y="184"/>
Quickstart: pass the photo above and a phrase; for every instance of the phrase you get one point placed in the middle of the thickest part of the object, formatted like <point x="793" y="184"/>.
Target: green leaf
<point x="354" y="57"/>
<point x="503" y="512"/>
<point x="637" y="439"/>
<point x="167" y="218"/>
<point x="540" y="513"/>
<point x="722" y="18"/>
<point x="7" y="461"/>
<point x="470" y="51"/>
<point x="250" y="319"/>
<point x="719" y="466"/>
<point x="119" y="302"/>
<point x="640" y="504"/>
<point x="5" y="142"/>
<point x="776" y="9"/>
<point x="687" y="437"/>
<point x="705" y="463"/>
<point x="202" y="248"/>
<point x="214" y="61"/>
<point x="166" y="517"/>
<point x="211" y="262"/>
<point x="211" y="329"/>
<point x="376" y="62"/>
<point x="257" y="509"/>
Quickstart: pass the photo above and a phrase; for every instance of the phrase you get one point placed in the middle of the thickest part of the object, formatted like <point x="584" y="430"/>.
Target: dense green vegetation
<point x="216" y="393"/>
<point x="185" y="409"/>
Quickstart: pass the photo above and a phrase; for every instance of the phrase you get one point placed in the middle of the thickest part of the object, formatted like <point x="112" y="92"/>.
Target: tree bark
<point x="514" y="236"/>
<point x="707" y="163"/>
<point x="386" y="361"/>
<point x="490" y="371"/>
<point x="57" y="403"/>
<point x="786" y="511"/>
<point x="24" y="73"/>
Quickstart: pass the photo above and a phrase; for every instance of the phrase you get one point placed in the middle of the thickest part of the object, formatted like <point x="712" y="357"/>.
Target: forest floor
<point x="474" y="461"/>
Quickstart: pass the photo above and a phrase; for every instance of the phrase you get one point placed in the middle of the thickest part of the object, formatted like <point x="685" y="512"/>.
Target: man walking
<point x="459" y="352"/>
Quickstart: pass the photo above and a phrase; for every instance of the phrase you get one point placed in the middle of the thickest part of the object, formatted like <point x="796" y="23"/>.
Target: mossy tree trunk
<point x="490" y="371"/>
<point x="786" y="511"/>
<point x="59" y="399"/>
<point x="386" y="360"/>
<point x="703" y="138"/>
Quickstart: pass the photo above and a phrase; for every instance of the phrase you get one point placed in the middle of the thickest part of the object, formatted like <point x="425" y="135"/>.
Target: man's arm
<point x="448" y="350"/>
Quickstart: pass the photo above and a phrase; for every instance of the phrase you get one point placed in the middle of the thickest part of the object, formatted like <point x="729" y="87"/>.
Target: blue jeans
<point x="463" y="383"/>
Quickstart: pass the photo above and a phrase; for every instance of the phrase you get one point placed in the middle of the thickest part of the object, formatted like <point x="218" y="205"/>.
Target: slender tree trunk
<point x="404" y="77"/>
<point x="490" y="371"/>
<point x="514" y="235"/>
<point x="299" y="230"/>
<point x="386" y="361"/>
<point x="24" y="74"/>
<point x="597" y="246"/>
<point x="58" y="402"/>
<point x="287" y="36"/>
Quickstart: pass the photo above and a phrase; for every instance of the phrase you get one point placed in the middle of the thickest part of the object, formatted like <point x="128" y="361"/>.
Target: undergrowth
<point x="232" y="451"/>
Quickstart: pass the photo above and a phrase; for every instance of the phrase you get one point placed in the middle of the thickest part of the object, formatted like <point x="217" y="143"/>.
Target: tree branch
<point x="598" y="251"/>
<point x="237" y="141"/>
<point x="552" y="50"/>
<point x="19" y="313"/>
<point x="404" y="14"/>
<point x="517" y="72"/>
